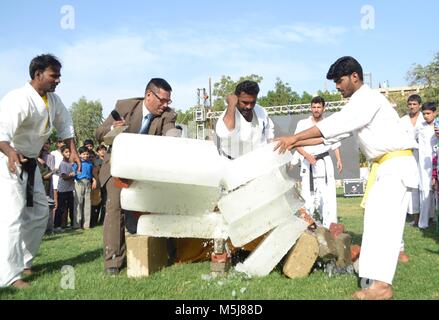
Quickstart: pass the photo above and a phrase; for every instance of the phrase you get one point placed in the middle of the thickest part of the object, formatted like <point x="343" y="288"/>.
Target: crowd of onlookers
<point x="76" y="198"/>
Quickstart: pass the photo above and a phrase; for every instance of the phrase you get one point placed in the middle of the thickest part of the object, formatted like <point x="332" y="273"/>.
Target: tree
<point x="306" y="97"/>
<point x="225" y="87"/>
<point x="185" y="116"/>
<point x="282" y="95"/>
<point x="330" y="96"/>
<point x="427" y="76"/>
<point x="86" y="116"/>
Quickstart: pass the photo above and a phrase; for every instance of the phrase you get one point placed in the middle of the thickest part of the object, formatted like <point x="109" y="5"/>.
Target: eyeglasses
<point x="162" y="100"/>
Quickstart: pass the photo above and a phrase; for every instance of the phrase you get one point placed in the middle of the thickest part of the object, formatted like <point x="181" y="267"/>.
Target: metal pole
<point x="210" y="92"/>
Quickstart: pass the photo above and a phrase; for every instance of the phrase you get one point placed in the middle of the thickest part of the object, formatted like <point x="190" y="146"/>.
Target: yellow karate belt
<point x="374" y="169"/>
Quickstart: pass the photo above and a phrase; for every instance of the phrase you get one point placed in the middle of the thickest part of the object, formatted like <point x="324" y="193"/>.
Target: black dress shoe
<point x="112" y="271"/>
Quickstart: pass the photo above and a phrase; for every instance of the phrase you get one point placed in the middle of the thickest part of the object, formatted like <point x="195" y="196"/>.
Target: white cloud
<point x="115" y="66"/>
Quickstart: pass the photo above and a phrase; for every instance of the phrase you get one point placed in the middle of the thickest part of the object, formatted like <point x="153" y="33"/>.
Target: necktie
<point x="146" y="123"/>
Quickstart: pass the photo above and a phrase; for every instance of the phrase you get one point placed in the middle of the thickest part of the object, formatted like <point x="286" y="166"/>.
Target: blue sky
<point x="115" y="47"/>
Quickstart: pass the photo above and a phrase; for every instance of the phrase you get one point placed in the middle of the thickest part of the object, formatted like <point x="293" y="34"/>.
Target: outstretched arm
<point x="311" y="136"/>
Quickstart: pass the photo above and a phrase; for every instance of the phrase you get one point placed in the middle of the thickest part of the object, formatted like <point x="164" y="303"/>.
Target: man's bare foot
<point x="20" y="284"/>
<point x="403" y="257"/>
<point x="377" y="291"/>
<point x="27" y="272"/>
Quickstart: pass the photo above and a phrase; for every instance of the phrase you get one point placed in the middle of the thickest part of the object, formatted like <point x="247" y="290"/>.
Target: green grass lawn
<point x="83" y="250"/>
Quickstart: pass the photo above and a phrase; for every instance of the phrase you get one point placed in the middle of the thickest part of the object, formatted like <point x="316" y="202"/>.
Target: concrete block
<point x="270" y="251"/>
<point x="253" y="165"/>
<point x="302" y="257"/>
<point x="262" y="220"/>
<point x="301" y="213"/>
<point x="169" y="198"/>
<point x="167" y="159"/>
<point x="355" y="252"/>
<point x="356" y="265"/>
<point x="145" y="255"/>
<point x="209" y="226"/>
<point x="220" y="263"/>
<point x="336" y="229"/>
<point x="257" y="193"/>
<point x="343" y="246"/>
<point x="327" y="247"/>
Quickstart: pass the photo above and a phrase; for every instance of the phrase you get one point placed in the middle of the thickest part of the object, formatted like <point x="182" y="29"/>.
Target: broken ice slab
<point x="274" y="247"/>
<point x="261" y="220"/>
<point x="209" y="226"/>
<point x="252" y="165"/>
<point x="257" y="193"/>
<point x="174" y="198"/>
<point x="167" y="159"/>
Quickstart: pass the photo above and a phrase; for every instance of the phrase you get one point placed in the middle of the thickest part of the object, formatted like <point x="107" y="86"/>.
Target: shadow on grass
<point x="65" y="233"/>
<point x="431" y="232"/>
<point x="55" y="266"/>
<point x="356" y="238"/>
<point x="8" y="291"/>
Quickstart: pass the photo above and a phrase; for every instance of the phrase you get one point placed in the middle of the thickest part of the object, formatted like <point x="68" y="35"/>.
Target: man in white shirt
<point x="426" y="138"/>
<point x="244" y="125"/>
<point x="383" y="140"/>
<point x="411" y="122"/>
<point x="57" y="154"/>
<point x="317" y="169"/>
<point x="27" y="117"/>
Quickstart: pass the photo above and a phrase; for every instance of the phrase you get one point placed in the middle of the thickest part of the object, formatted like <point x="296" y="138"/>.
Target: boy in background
<point x="84" y="183"/>
<point x="65" y="201"/>
<point x="426" y="139"/>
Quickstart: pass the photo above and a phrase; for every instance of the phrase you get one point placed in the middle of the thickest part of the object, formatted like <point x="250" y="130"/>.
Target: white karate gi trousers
<point x="384" y="218"/>
<point x="427" y="208"/>
<point x="414" y="205"/>
<point x="324" y="197"/>
<point x="21" y="228"/>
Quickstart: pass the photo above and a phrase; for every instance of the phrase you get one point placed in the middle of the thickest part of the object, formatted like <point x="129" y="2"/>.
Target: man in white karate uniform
<point x="411" y="122"/>
<point x="426" y="138"/>
<point x="244" y="125"/>
<point x="317" y="169"/>
<point x="27" y="117"/>
<point x="383" y="140"/>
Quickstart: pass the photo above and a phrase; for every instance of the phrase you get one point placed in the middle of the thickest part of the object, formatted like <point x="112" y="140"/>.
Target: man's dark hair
<point x="101" y="147"/>
<point x="158" y="83"/>
<point x="88" y="141"/>
<point x="429" y="106"/>
<point x="345" y="66"/>
<point x="83" y="149"/>
<point x="415" y="97"/>
<point x="42" y="62"/>
<point x="247" y="86"/>
<point x="64" y="148"/>
<point x="318" y="99"/>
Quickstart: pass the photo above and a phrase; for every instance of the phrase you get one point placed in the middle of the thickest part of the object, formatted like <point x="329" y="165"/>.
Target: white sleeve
<point x="221" y="130"/>
<point x="299" y="127"/>
<point x="270" y="129"/>
<point x="13" y="111"/>
<point x="335" y="142"/>
<point x="63" y="121"/>
<point x="356" y="114"/>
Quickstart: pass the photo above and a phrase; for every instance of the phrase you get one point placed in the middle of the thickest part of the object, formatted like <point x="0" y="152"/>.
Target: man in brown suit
<point x="148" y="115"/>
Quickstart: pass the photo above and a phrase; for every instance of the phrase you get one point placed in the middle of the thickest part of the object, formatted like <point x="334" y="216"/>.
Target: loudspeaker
<point x="354" y="187"/>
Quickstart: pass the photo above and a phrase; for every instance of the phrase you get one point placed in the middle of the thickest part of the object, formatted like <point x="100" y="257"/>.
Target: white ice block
<point x="257" y="193"/>
<point x="252" y="165"/>
<point x="166" y="159"/>
<point x="262" y="219"/>
<point x="209" y="226"/>
<point x="163" y="197"/>
<point x="269" y="252"/>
